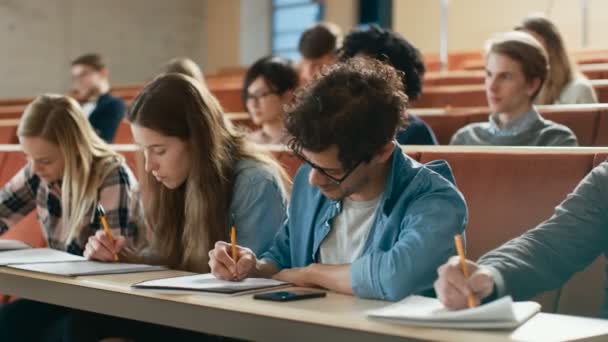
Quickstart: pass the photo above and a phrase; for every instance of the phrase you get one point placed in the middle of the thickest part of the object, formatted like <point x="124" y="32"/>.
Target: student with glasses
<point x="268" y="87"/>
<point x="364" y="218"/>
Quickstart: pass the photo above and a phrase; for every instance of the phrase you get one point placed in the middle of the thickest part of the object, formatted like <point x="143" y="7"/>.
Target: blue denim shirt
<point x="258" y="205"/>
<point x="411" y="235"/>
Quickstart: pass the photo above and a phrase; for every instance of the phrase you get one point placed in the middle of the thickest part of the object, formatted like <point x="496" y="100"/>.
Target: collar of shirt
<point x="516" y="126"/>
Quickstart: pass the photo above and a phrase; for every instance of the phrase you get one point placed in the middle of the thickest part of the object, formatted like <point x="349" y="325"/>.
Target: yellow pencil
<point x="233" y="243"/>
<point x="463" y="265"/>
<point x="106" y="227"/>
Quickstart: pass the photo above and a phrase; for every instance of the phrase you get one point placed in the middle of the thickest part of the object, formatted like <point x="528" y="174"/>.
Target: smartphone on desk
<point x="288" y="296"/>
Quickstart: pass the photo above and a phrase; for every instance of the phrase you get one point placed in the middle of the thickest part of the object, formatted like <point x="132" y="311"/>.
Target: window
<point x="289" y="19"/>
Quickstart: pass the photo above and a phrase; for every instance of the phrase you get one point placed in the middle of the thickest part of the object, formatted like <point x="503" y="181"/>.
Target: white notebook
<point x="502" y="313"/>
<point x="36" y="255"/>
<point x="209" y="283"/>
<point x="87" y="267"/>
<point x="12" y="245"/>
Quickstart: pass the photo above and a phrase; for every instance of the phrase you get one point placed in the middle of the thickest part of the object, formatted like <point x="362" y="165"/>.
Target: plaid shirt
<point x="118" y="195"/>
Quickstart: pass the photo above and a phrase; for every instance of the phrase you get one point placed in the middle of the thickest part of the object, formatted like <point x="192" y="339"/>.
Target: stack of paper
<point x="36" y="255"/>
<point x="11" y="245"/>
<point x="82" y="268"/>
<point x="209" y="283"/>
<point x="52" y="261"/>
<point x="429" y="312"/>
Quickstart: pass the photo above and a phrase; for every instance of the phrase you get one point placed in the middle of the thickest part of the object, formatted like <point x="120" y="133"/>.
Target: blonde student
<point x="70" y="171"/>
<point x="564" y="83"/>
<point x="201" y="178"/>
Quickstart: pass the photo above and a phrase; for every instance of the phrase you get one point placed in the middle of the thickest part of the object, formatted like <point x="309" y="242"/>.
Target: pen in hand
<point x="106" y="227"/>
<point x="463" y="265"/>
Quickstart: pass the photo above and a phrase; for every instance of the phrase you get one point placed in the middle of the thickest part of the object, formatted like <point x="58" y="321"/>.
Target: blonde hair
<point x="184" y="66"/>
<point x="87" y="158"/>
<point x="186" y="222"/>
<point x="562" y="70"/>
<point x="526" y="51"/>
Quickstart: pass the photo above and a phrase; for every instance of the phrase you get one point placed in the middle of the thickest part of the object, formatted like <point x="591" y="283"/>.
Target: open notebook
<point x="12" y="245"/>
<point x="429" y="312"/>
<point x="86" y="267"/>
<point x="209" y="283"/>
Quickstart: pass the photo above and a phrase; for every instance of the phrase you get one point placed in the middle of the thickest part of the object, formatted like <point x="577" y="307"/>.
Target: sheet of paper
<point x="423" y="311"/>
<point x="209" y="283"/>
<point x="82" y="268"/>
<point x="12" y="245"/>
<point x="36" y="255"/>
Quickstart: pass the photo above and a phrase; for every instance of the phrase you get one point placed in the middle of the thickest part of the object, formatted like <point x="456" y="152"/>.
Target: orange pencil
<point x="463" y="265"/>
<point x="233" y="243"/>
<point x="106" y="227"/>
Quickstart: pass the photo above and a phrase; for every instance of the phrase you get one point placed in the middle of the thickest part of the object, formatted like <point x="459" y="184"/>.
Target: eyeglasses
<point x="258" y="96"/>
<point x="322" y="171"/>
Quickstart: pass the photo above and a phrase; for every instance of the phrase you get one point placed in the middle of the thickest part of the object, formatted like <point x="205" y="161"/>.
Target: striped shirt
<point x="118" y="194"/>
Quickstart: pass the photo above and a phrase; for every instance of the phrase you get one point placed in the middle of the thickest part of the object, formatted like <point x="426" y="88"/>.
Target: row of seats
<point x="474" y="95"/>
<point x="473" y="60"/>
<point x="466" y="77"/>
<point x="508" y="191"/>
<point x="588" y="121"/>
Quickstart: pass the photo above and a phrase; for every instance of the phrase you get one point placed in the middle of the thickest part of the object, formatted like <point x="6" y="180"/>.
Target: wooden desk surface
<point x="336" y="317"/>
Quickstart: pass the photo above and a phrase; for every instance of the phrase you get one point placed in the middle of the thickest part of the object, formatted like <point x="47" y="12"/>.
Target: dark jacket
<point x="107" y="115"/>
<point x="417" y="133"/>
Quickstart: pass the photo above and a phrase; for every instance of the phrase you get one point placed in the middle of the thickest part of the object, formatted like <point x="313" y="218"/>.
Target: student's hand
<point x="223" y="266"/>
<point x="453" y="289"/>
<point x="299" y="276"/>
<point x="99" y="247"/>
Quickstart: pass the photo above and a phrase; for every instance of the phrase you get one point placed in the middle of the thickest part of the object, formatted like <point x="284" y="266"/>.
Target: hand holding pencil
<point x="462" y="283"/>
<point x="104" y="246"/>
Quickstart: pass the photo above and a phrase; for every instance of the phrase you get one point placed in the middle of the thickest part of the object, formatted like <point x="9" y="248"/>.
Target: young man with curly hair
<point x="364" y="218"/>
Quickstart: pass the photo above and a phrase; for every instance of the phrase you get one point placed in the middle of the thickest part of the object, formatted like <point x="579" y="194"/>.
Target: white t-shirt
<point x="89" y="107"/>
<point x="349" y="232"/>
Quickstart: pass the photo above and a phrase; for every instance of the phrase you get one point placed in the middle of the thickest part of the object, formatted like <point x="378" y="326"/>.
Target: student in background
<point x="543" y="258"/>
<point x="200" y="178"/>
<point x="70" y="171"/>
<point x="268" y="87"/>
<point x="516" y="68"/>
<point x="390" y="47"/>
<point x="318" y="47"/>
<point x="184" y="66"/>
<point x="364" y="218"/>
<point x="92" y="89"/>
<point x="564" y="84"/>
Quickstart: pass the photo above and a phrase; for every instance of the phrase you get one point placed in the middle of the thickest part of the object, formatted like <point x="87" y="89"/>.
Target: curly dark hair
<point x="279" y="74"/>
<point x="357" y="105"/>
<point x="390" y="47"/>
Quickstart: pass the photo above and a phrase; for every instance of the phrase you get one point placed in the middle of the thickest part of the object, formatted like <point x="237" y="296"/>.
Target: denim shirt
<point x="258" y="205"/>
<point x="412" y="233"/>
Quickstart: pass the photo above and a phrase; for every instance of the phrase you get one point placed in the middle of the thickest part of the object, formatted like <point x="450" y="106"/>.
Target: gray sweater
<point x="545" y="257"/>
<point x="530" y="129"/>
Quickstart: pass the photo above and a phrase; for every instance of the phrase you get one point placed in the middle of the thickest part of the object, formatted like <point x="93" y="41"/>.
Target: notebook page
<point x="208" y="282"/>
<point x="417" y="310"/>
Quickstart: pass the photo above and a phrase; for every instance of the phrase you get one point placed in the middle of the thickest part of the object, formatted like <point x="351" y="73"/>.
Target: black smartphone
<point x="288" y="296"/>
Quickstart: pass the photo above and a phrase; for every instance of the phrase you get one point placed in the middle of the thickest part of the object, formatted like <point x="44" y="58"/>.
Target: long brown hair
<point x="88" y="159"/>
<point x="561" y="70"/>
<point x="186" y="222"/>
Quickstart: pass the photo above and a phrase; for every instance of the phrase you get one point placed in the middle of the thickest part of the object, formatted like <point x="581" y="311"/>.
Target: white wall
<point x="474" y="21"/>
<point x="40" y="38"/>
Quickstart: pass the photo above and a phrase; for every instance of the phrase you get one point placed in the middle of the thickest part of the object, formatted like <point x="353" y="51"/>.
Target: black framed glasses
<point x="257" y="97"/>
<point x="322" y="171"/>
